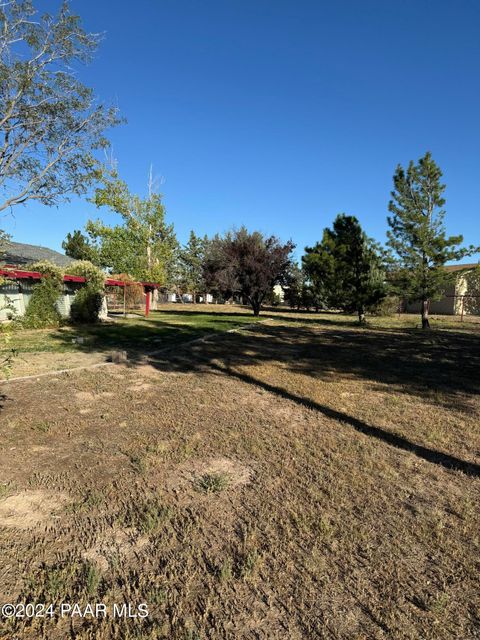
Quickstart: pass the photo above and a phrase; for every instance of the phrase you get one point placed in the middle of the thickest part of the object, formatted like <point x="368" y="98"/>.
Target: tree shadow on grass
<point x="436" y="457"/>
<point x="442" y="367"/>
<point x="327" y="318"/>
<point x="446" y="363"/>
<point x="138" y="338"/>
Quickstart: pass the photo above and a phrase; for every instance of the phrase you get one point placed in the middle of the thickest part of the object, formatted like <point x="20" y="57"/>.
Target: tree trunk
<point x="256" y="307"/>
<point x="425" y="322"/>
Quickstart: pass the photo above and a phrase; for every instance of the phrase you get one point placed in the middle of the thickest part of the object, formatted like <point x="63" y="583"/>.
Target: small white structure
<point x="278" y="291"/>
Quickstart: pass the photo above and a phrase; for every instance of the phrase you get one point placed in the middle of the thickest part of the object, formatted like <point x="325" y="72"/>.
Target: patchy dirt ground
<point x="293" y="480"/>
<point x="39" y="363"/>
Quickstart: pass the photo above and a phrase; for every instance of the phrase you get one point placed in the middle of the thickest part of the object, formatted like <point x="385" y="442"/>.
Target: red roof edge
<point x="20" y="274"/>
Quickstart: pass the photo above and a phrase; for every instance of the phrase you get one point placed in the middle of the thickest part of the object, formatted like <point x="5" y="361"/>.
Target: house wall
<point x="12" y="301"/>
<point x="444" y="306"/>
<point x="471" y="287"/>
<point x="15" y="296"/>
<point x="467" y="284"/>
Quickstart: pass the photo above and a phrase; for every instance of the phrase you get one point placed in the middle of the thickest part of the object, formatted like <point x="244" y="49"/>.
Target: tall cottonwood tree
<point x="417" y="233"/>
<point x="144" y="246"/>
<point x="51" y="125"/>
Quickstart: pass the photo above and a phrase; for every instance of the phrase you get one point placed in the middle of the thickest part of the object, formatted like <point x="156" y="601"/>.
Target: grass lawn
<point x="42" y="350"/>
<point x="302" y="478"/>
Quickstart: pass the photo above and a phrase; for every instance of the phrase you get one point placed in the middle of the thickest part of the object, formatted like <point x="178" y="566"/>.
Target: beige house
<point x="462" y="296"/>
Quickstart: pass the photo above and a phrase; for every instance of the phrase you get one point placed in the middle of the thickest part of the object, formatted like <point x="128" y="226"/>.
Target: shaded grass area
<point x="430" y="370"/>
<point x="187" y="321"/>
<point x="159" y="329"/>
<point x="293" y="480"/>
<point x="67" y="347"/>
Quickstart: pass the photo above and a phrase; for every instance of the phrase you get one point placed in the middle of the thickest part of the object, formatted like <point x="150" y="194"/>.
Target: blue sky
<point x="280" y="114"/>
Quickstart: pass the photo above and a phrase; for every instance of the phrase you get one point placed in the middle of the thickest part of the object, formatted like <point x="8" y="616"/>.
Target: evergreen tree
<point x="417" y="234"/>
<point x="78" y="246"/>
<point x="191" y="265"/>
<point x="346" y="267"/>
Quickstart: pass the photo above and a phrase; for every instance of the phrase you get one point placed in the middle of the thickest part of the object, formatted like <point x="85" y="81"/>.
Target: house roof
<point x="21" y="274"/>
<point x="21" y="254"/>
<point x="462" y="267"/>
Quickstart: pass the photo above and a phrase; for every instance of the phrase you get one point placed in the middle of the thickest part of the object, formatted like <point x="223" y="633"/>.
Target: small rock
<point x="118" y="357"/>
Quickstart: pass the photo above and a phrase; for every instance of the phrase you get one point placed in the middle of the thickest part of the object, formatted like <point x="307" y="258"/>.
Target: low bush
<point x="42" y="310"/>
<point x="389" y="306"/>
<point x="87" y="304"/>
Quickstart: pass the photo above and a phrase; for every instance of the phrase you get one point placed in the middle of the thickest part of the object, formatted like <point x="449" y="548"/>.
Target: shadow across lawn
<point x="438" y="366"/>
<point x="436" y="457"/>
<point x="441" y="366"/>
<point x="327" y="318"/>
<point x="142" y="336"/>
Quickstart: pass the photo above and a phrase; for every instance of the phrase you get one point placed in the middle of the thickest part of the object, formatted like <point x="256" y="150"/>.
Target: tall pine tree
<point x="191" y="266"/>
<point x="417" y="233"/>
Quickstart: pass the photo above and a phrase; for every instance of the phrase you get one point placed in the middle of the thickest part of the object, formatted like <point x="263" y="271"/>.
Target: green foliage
<point x="144" y="245"/>
<point x="6" y="361"/>
<point x="86" y="306"/>
<point x="87" y="303"/>
<point x="247" y="263"/>
<point x="51" y="124"/>
<point x="346" y="268"/>
<point x="78" y="246"/>
<point x="42" y="310"/>
<point x="302" y="292"/>
<point x="213" y="482"/>
<point x="389" y="306"/>
<point x="191" y="259"/>
<point x="94" y="276"/>
<point x="293" y="286"/>
<point x="417" y="233"/>
<point x="4" y="239"/>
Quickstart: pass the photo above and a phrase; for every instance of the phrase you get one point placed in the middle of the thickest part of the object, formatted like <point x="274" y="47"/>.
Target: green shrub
<point x="42" y="310"/>
<point x="389" y="306"/>
<point x="86" y="306"/>
<point x="94" y="276"/>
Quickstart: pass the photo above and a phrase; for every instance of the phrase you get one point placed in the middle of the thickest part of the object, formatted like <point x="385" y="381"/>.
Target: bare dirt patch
<point x="351" y="508"/>
<point x="30" y="509"/>
<point x="120" y="544"/>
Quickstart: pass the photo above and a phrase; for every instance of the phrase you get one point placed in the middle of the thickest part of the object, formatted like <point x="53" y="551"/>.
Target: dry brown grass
<point x="349" y="510"/>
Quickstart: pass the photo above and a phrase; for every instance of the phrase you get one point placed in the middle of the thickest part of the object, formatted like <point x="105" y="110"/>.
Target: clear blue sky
<point x="279" y="114"/>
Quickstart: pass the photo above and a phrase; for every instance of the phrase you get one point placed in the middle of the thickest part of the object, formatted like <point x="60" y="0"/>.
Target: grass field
<point x="44" y="350"/>
<point x="300" y="478"/>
